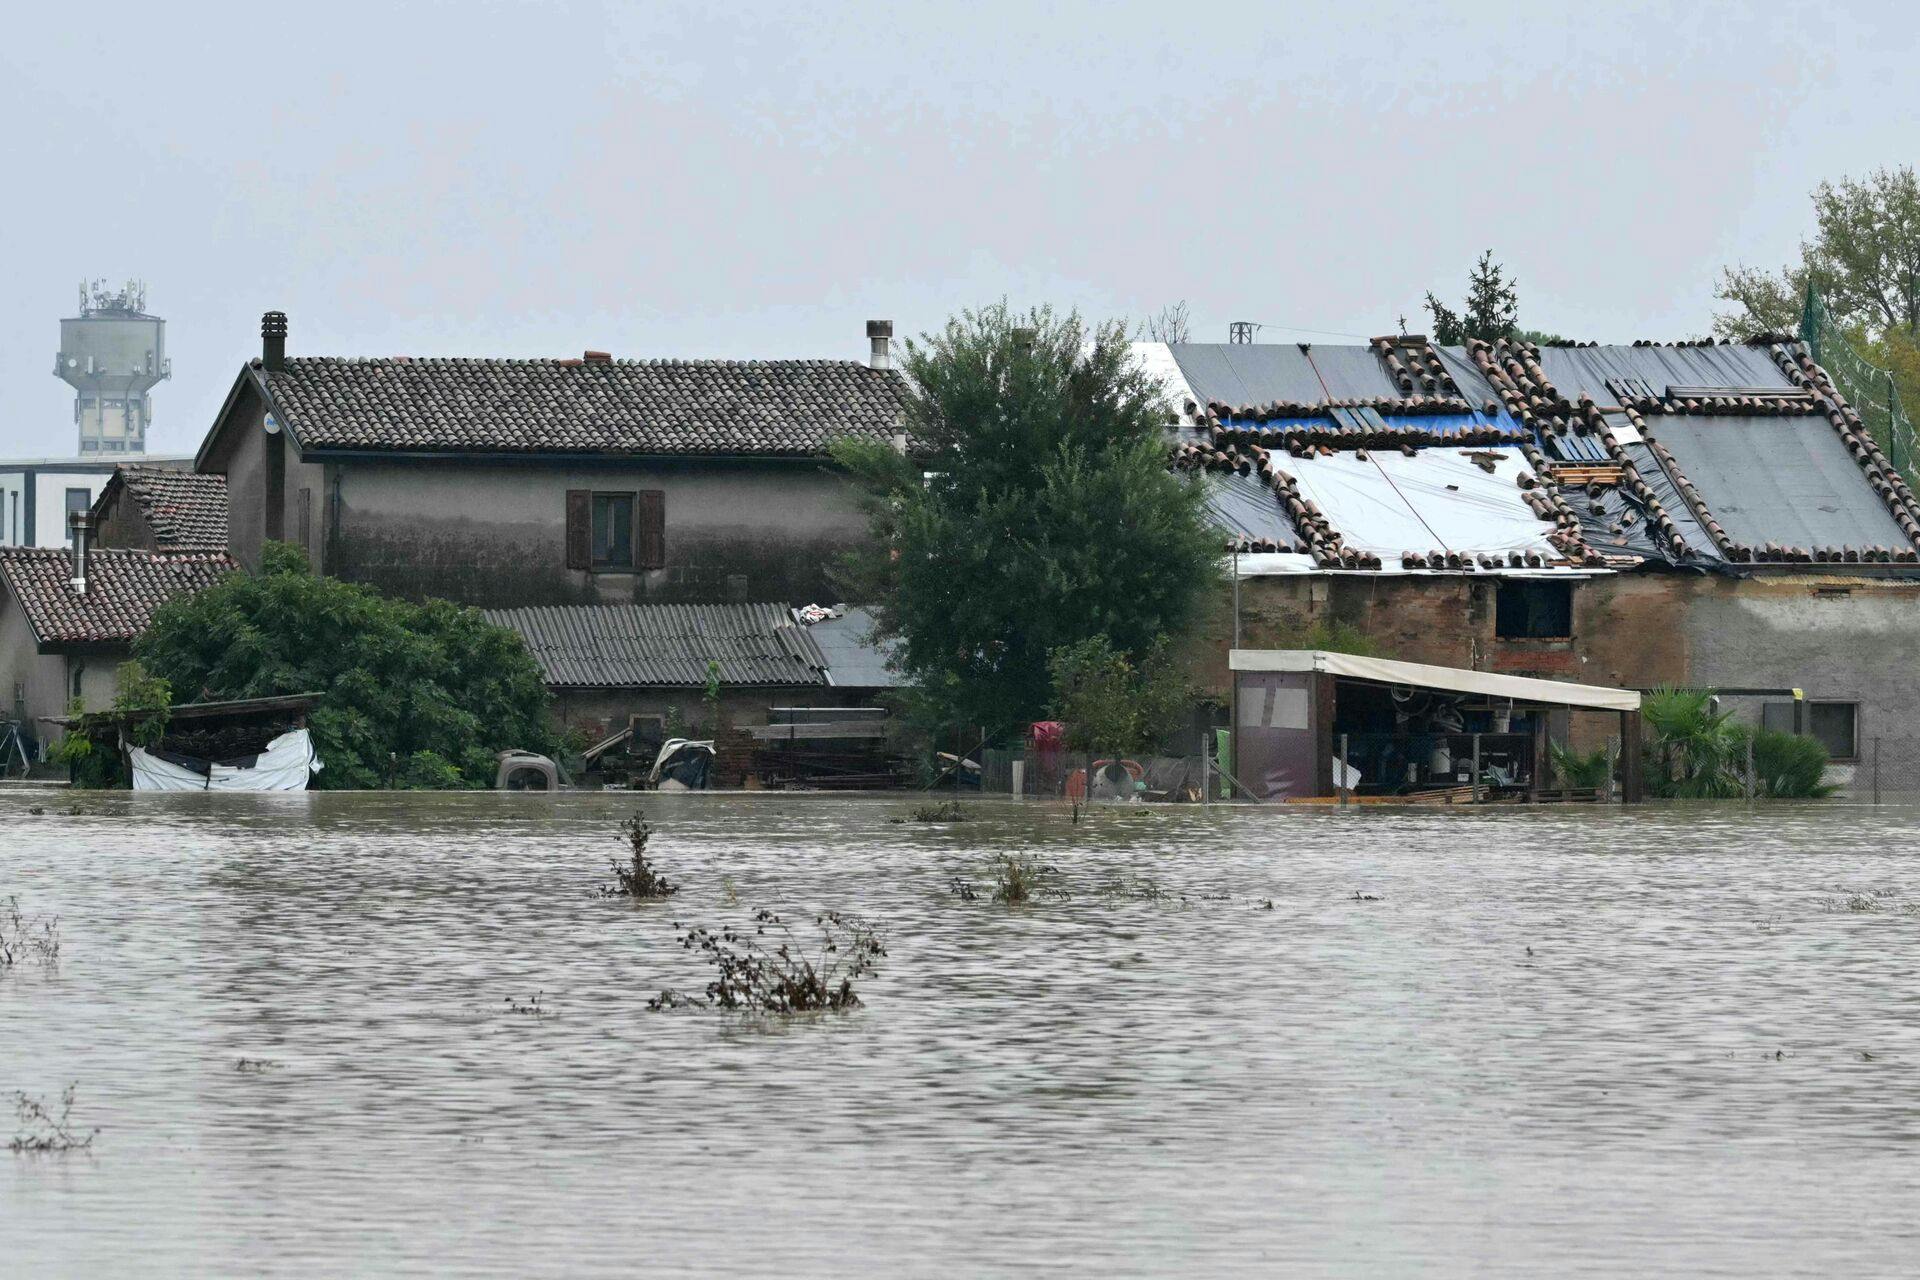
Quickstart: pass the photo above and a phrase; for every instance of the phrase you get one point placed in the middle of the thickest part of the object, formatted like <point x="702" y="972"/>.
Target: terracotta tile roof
<point x="766" y="407"/>
<point x="123" y="590"/>
<point x="186" y="510"/>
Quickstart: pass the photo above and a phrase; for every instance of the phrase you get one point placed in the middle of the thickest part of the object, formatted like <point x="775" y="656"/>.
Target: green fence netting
<point x="1869" y="388"/>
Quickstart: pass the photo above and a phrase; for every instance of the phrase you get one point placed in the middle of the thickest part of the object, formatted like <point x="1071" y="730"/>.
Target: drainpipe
<point x="81" y="526"/>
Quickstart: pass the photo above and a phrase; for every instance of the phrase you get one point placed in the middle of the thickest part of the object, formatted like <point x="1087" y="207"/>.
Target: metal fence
<point x="1123" y="776"/>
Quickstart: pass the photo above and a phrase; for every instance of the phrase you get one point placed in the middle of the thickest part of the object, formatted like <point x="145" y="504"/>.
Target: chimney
<point x="273" y="341"/>
<point x="80" y="527"/>
<point x="880" y="339"/>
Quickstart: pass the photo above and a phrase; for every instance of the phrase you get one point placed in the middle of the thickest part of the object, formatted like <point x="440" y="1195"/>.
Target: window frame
<point x="1853" y="727"/>
<point x="1529" y="589"/>
<point x="604" y="499"/>
<point x="1787" y="707"/>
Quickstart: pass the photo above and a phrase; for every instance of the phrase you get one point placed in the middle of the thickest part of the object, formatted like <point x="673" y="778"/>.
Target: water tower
<point x="112" y="354"/>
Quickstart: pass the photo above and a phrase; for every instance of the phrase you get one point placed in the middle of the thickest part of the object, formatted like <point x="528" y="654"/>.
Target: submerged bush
<point x="42" y="1131"/>
<point x="637" y="877"/>
<point x="938" y="811"/>
<point x="764" y="973"/>
<point x="1017" y="879"/>
<point x="23" y="937"/>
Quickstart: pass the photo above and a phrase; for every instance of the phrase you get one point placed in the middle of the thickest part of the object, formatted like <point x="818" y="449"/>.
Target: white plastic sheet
<point x="1437" y="500"/>
<point x="285" y="765"/>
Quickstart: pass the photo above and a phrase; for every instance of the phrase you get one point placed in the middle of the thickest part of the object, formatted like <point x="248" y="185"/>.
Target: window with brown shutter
<point x="650" y="529"/>
<point x="579" y="528"/>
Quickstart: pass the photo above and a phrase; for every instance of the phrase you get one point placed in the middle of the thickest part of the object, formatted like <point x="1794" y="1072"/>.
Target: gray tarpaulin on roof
<point x="1238" y="373"/>
<point x="1245" y="506"/>
<point x="1353" y="373"/>
<point x="1700" y="544"/>
<point x="1473" y="384"/>
<point x="1247" y="373"/>
<point x="1784" y="480"/>
<point x="1577" y="370"/>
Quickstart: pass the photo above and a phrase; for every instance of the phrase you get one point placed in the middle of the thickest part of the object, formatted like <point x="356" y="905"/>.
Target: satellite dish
<point x="273" y="425"/>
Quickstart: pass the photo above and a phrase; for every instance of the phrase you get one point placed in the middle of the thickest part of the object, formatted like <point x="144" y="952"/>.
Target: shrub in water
<point x="637" y="878"/>
<point x="766" y="972"/>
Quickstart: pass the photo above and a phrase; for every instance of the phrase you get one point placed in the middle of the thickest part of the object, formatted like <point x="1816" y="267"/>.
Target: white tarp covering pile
<point x="1437" y="500"/>
<point x="285" y="765"/>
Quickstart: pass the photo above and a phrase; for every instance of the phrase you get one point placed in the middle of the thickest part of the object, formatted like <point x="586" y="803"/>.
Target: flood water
<point x="1573" y="1041"/>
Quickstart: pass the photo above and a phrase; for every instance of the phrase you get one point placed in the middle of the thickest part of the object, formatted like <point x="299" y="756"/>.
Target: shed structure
<point x="1309" y="724"/>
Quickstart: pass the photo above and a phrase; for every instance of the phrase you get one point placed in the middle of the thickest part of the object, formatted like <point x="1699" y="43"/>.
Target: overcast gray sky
<point x="757" y="181"/>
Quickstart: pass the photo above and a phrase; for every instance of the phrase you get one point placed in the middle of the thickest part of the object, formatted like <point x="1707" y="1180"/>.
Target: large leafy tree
<point x="1864" y="258"/>
<point x="417" y="695"/>
<point x="1034" y="511"/>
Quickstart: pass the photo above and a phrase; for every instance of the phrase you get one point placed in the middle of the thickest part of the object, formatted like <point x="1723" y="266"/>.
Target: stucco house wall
<point x="494" y="533"/>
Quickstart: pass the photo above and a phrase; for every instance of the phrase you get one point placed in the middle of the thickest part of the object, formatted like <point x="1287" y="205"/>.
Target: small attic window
<point x="1527" y="609"/>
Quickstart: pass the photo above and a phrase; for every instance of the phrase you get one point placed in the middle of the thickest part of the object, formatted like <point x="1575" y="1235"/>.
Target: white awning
<point x="1387" y="671"/>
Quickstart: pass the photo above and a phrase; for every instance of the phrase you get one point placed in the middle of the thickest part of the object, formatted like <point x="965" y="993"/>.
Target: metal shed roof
<point x="854" y="659"/>
<point x="666" y="645"/>
<point x="1456" y="679"/>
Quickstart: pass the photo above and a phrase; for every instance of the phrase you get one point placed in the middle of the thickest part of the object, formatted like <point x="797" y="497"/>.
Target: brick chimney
<point x="80" y="526"/>
<point x="273" y="341"/>
<point x="880" y="342"/>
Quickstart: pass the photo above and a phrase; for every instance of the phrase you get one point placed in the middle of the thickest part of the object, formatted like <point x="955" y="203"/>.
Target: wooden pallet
<point x="1586" y="473"/>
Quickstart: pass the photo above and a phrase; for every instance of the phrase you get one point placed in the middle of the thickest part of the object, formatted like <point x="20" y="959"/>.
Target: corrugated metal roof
<point x="666" y="645"/>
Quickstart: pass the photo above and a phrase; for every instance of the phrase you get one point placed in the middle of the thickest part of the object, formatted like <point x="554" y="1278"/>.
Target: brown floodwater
<point x="1558" y="1041"/>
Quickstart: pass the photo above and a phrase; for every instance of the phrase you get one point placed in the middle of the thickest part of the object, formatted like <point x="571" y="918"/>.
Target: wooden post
<point x="1632" y="784"/>
<point x="1540" y="756"/>
<point x="1473" y="781"/>
<point x="1341" y="781"/>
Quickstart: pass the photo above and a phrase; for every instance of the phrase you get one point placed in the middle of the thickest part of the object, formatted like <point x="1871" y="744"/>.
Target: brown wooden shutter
<point x="579" y="529"/>
<point x="650" y="529"/>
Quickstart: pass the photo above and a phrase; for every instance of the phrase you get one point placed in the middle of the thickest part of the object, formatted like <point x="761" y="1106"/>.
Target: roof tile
<point x="124" y="588"/>
<point x="778" y="407"/>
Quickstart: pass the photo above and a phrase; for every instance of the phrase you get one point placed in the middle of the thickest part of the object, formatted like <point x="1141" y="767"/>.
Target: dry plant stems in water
<point x="27" y="938"/>
<point x="530" y="1007"/>
<point x="769" y="971"/>
<point x="42" y="1131"/>
<point x="637" y="878"/>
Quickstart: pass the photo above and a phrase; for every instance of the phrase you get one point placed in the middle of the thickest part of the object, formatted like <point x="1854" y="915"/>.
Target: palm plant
<point x="1698" y="748"/>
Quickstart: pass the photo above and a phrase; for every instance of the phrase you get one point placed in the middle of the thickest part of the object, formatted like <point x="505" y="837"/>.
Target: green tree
<point x="1036" y="510"/>
<point x="1109" y="702"/>
<point x="417" y="695"/>
<point x="1492" y="308"/>
<point x="1864" y="258"/>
